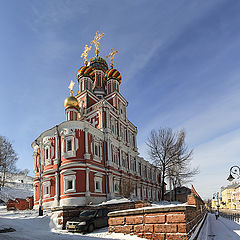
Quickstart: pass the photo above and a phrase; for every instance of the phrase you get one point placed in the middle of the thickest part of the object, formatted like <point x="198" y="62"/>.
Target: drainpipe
<point x="58" y="165"/>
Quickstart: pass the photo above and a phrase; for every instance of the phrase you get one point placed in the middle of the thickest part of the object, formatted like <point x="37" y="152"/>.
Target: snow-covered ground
<point x="221" y="229"/>
<point x="16" y="192"/>
<point x="29" y="226"/>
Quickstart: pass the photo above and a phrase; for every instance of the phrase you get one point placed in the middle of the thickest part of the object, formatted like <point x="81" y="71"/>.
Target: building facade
<point x="231" y="196"/>
<point x="93" y="155"/>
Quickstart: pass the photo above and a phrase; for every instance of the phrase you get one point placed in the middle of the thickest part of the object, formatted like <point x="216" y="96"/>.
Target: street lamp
<point x="234" y="173"/>
<point x="216" y="196"/>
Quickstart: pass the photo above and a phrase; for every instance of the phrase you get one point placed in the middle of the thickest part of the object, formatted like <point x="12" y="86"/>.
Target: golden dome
<point x="71" y="101"/>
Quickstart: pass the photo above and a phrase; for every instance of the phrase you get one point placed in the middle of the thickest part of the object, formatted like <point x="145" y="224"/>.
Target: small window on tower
<point x="97" y="185"/>
<point x="69" y="145"/>
<point x="69" y="184"/>
<point x="116" y="187"/>
<point x="96" y="150"/>
<point x="47" y="153"/>
<point x="47" y="190"/>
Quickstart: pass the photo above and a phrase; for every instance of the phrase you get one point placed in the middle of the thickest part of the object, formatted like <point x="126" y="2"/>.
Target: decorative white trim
<point x="98" y="183"/>
<point x="46" y="188"/>
<point x="66" y="180"/>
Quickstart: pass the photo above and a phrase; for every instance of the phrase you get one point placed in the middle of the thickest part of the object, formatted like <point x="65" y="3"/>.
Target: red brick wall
<point x="20" y="204"/>
<point x="177" y="222"/>
<point x="66" y="213"/>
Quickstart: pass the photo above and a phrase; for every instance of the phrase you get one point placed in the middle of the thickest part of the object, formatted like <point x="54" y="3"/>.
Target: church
<point x="92" y="156"/>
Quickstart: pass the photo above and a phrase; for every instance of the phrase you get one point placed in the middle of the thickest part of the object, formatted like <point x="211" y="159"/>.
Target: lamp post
<point x="216" y="196"/>
<point x="234" y="173"/>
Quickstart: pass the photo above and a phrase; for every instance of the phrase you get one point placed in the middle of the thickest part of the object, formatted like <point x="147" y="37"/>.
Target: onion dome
<point x="85" y="71"/>
<point x="113" y="74"/>
<point x="71" y="101"/>
<point x="98" y="63"/>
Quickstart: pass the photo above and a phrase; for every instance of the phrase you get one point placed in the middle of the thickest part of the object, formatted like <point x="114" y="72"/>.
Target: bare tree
<point x="8" y="158"/>
<point x="126" y="187"/>
<point x="170" y="154"/>
<point x="180" y="172"/>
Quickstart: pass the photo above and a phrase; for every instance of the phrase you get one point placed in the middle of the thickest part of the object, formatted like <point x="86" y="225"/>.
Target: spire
<point x="111" y="56"/>
<point x="95" y="41"/>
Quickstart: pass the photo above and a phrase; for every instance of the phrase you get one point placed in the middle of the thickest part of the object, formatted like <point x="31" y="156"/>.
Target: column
<point x="87" y="182"/>
<point x="86" y="155"/>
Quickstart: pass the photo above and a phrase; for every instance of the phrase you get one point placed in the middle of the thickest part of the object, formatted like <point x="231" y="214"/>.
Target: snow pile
<point x="163" y="204"/>
<point x="116" y="201"/>
<point x="29" y="225"/>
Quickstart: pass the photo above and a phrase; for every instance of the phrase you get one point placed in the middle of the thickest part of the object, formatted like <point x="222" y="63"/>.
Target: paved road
<point x="221" y="229"/>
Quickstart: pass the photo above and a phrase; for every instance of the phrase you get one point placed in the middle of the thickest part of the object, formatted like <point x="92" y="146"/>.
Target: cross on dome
<point x="95" y="41"/>
<point x="71" y="87"/>
<point x="111" y="56"/>
<point x="85" y="53"/>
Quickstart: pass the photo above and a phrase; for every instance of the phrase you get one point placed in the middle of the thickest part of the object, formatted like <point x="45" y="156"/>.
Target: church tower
<point x="93" y="155"/>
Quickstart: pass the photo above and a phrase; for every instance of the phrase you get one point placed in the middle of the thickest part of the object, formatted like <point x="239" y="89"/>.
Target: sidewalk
<point x="221" y="229"/>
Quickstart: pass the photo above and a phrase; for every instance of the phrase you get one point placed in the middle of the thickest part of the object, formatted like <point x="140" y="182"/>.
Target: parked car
<point x="88" y="220"/>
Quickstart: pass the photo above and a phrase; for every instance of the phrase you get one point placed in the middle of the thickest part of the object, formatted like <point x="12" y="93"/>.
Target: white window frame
<point x="97" y="144"/>
<point x="149" y="193"/>
<point x="46" y="185"/>
<point x="144" y="192"/>
<point x="116" y="186"/>
<point x="99" y="180"/>
<point x="69" y="178"/>
<point x="47" y="159"/>
<point x="72" y="153"/>
<point x="71" y="144"/>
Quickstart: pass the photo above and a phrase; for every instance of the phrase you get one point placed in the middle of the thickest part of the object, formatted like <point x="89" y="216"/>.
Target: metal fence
<point x="232" y="216"/>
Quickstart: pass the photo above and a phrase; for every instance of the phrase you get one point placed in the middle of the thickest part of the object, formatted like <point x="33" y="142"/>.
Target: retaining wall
<point x="165" y="223"/>
<point x="60" y="215"/>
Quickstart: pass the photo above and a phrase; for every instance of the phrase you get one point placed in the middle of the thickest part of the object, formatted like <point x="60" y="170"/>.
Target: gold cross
<point x="111" y="56"/>
<point x="85" y="53"/>
<point x="71" y="87"/>
<point x="96" y="41"/>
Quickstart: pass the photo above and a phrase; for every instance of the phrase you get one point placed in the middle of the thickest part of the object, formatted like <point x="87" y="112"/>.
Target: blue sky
<point x="179" y="62"/>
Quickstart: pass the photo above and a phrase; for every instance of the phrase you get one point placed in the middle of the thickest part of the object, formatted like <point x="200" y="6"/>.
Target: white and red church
<point x="87" y="157"/>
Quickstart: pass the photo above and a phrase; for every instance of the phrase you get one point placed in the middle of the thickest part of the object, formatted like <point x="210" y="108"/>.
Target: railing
<point x="231" y="216"/>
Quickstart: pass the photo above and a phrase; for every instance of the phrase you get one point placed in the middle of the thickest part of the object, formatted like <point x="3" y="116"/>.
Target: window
<point x="139" y="169"/>
<point x="149" y="193"/>
<point x="47" y="153"/>
<point x="69" y="182"/>
<point x="96" y="150"/>
<point x="100" y="213"/>
<point x="46" y="188"/>
<point x="69" y="145"/>
<point x="116" y="187"/>
<point x="98" y="183"/>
